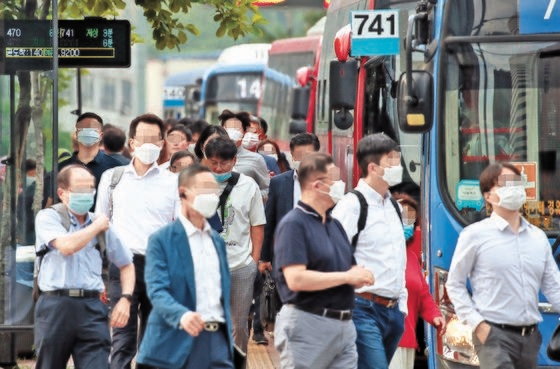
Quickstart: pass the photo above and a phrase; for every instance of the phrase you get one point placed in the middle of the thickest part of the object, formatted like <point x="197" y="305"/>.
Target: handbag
<point x="553" y="348"/>
<point x="270" y="301"/>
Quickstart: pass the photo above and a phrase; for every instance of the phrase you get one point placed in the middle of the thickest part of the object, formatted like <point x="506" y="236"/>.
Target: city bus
<point x="469" y="83"/>
<point x="181" y="94"/>
<point x="255" y="88"/>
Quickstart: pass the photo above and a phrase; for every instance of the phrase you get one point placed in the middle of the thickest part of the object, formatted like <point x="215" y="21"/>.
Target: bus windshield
<point x="502" y="103"/>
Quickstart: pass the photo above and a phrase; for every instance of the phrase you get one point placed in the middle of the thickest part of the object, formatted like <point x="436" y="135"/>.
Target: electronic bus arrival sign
<point x="92" y="42"/>
<point x="374" y="32"/>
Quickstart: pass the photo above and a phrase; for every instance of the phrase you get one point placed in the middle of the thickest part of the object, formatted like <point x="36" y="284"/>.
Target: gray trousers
<point x="242" y="280"/>
<point x="506" y="349"/>
<point x="309" y="341"/>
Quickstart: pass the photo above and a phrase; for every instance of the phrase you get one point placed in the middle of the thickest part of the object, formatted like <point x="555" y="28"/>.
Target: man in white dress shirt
<point x="379" y="309"/>
<point x="507" y="260"/>
<point x="144" y="200"/>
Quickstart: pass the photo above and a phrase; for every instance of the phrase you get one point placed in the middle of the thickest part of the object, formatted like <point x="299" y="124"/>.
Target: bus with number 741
<point x="459" y="84"/>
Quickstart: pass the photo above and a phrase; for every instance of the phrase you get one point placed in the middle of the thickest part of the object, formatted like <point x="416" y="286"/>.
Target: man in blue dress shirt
<point x="70" y="318"/>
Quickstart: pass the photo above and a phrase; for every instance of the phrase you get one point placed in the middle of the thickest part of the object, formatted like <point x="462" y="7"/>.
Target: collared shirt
<point x="303" y="239"/>
<point x="81" y="269"/>
<point x="253" y="165"/>
<point x="141" y="204"/>
<point x="381" y="246"/>
<point x="506" y="271"/>
<point x="297" y="189"/>
<point x="207" y="277"/>
<point x="244" y="208"/>
<point x="100" y="163"/>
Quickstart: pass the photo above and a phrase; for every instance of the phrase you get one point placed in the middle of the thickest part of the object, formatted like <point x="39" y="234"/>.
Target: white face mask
<point x="393" y="175"/>
<point x="206" y="204"/>
<point x="511" y="197"/>
<point x="191" y="147"/>
<point x="147" y="153"/>
<point x="234" y="134"/>
<point x="250" y="140"/>
<point x="337" y="191"/>
<point x="295" y="164"/>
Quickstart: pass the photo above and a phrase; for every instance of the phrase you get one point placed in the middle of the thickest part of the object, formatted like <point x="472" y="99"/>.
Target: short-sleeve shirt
<point x="244" y="208"/>
<point x="81" y="269"/>
<point x="302" y="238"/>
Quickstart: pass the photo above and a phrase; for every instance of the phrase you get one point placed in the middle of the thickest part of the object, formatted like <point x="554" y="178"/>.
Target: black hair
<point x="207" y="132"/>
<point x="187" y="175"/>
<point x="243" y="116"/>
<point x="180" y="155"/>
<point x="304" y="139"/>
<point x="313" y="163"/>
<point x="264" y="125"/>
<point x="181" y="128"/>
<point x="114" y="139"/>
<point x="371" y="149"/>
<point x="198" y="126"/>
<point x="221" y="148"/>
<point x="148" y="119"/>
<point x="89" y="114"/>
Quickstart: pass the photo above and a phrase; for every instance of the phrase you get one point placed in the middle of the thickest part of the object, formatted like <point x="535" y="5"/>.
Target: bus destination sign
<point x="92" y="42"/>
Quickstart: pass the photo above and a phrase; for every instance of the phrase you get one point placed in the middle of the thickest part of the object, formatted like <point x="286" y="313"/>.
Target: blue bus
<point x="470" y="82"/>
<point x="255" y="88"/>
<point x="181" y="94"/>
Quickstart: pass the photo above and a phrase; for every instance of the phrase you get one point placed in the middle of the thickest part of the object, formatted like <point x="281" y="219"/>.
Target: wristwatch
<point x="127" y="296"/>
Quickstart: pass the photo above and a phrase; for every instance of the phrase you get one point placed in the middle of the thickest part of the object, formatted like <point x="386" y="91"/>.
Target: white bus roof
<point x="245" y="53"/>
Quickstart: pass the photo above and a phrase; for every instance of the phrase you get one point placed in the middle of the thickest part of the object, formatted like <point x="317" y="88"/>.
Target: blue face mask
<point x="88" y="136"/>
<point x="408" y="231"/>
<point x="79" y="202"/>
<point x="221" y="177"/>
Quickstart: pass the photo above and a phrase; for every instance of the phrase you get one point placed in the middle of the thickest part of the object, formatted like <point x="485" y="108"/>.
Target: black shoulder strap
<point x="396" y="206"/>
<point x="363" y="216"/>
<point x="232" y="181"/>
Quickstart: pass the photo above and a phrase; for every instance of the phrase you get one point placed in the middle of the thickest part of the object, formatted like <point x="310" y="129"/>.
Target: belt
<point x="385" y="301"/>
<point x="523" y="330"/>
<point x="73" y="292"/>
<point x="327" y="313"/>
<point x="213" y="326"/>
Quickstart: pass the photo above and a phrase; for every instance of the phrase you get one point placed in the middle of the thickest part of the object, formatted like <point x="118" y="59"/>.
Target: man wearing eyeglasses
<point x="507" y="261"/>
<point x="70" y="318"/>
<point x="89" y="135"/>
<point x="144" y="200"/>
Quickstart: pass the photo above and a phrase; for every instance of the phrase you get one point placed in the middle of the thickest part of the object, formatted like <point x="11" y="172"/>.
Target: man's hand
<point x="358" y="276"/>
<point x="264" y="265"/>
<point x="482" y="331"/>
<point x="440" y="325"/>
<point x="192" y="323"/>
<point x="120" y="313"/>
<point x="101" y="223"/>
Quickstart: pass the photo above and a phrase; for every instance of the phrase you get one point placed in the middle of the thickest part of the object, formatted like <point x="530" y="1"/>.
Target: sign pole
<point x="54" y="78"/>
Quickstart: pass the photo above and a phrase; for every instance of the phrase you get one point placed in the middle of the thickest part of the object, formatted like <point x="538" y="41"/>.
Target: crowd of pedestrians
<point x="191" y="220"/>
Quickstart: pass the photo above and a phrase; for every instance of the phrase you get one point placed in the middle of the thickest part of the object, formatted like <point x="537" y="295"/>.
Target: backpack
<point x="101" y="246"/>
<point x="363" y="214"/>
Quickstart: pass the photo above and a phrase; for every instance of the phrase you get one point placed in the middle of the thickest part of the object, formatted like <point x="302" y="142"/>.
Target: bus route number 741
<point x="374" y="32"/>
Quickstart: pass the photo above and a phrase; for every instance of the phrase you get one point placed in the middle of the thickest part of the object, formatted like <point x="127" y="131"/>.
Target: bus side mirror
<point x="300" y="102"/>
<point x="342" y="91"/>
<point x="415" y="101"/>
<point x="196" y="95"/>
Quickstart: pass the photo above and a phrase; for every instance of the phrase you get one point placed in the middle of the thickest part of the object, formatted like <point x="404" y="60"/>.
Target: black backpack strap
<point x="397" y="208"/>
<point x="363" y="216"/>
<point x="232" y="181"/>
<point x="554" y="248"/>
